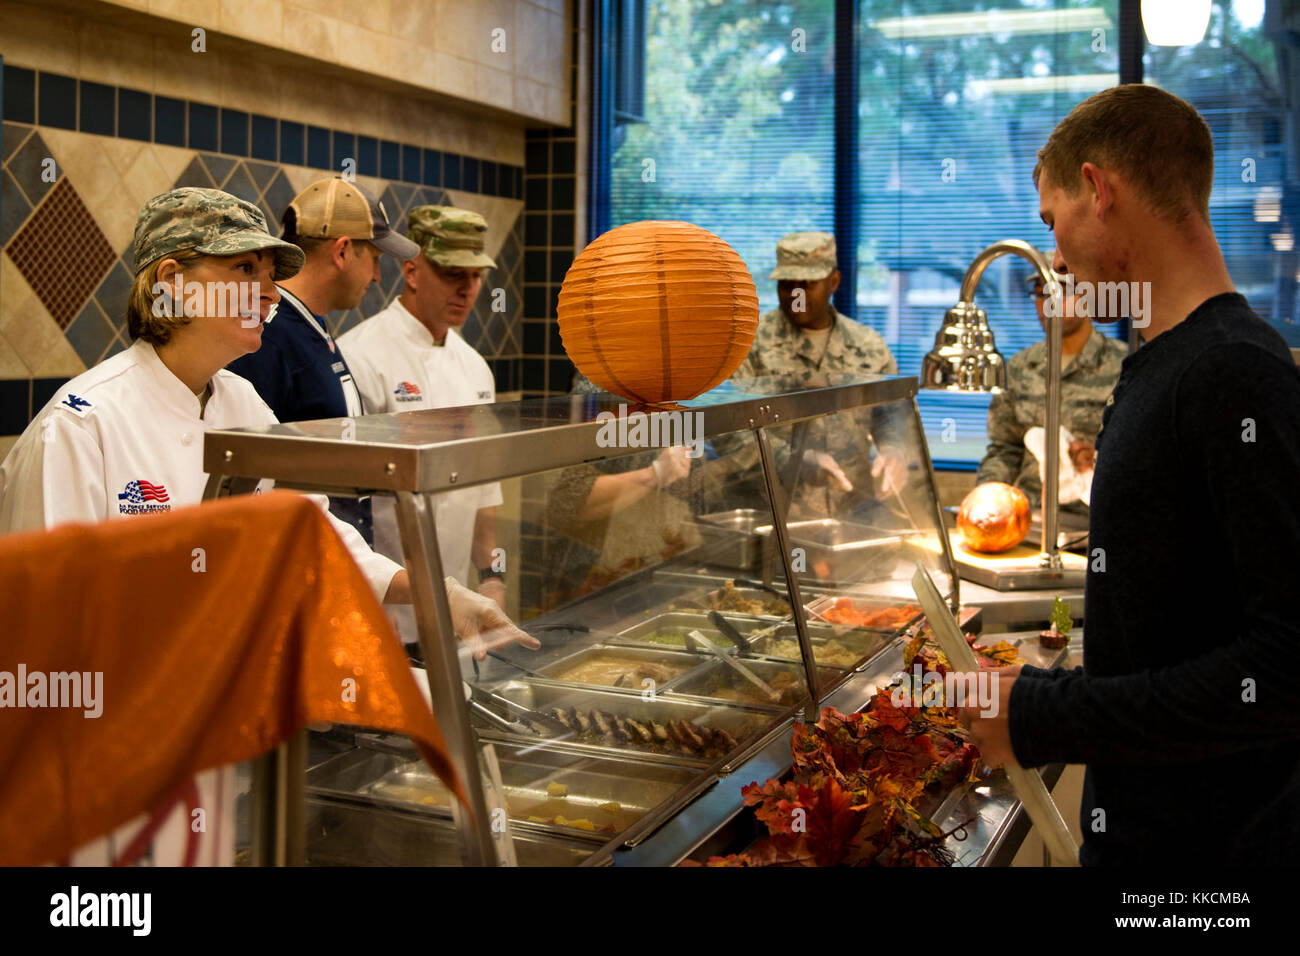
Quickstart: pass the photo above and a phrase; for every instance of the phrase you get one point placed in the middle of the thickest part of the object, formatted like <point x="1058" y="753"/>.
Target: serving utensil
<point x="1028" y="784"/>
<point x="738" y="667"/>
<point x="730" y="633"/>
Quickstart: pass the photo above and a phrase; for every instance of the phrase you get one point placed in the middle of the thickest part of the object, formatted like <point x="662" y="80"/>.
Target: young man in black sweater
<point x="1186" y="709"/>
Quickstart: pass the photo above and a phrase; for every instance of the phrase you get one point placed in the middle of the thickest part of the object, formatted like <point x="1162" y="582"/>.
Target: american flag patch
<point x="138" y="492"/>
<point x="407" y="388"/>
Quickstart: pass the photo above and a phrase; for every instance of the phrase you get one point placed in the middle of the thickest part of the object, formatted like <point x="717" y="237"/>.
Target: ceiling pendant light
<point x="1175" y="22"/>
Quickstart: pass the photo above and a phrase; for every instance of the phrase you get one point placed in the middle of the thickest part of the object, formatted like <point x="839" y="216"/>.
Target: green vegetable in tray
<point x="1060" y="618"/>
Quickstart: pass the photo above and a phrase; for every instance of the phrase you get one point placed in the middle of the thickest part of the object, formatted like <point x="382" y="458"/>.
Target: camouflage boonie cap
<point x="450" y="237"/>
<point x="208" y="221"/>
<point x="805" y="256"/>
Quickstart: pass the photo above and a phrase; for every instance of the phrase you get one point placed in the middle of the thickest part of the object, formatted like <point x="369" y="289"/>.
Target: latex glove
<point x="495" y="589"/>
<point x="826" y="470"/>
<point x="671" y="465"/>
<point x="889" y="471"/>
<point x="480" y="623"/>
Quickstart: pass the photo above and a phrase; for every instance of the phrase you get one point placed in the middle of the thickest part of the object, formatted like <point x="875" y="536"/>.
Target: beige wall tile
<point x="180" y="72"/>
<point x="11" y="365"/>
<point x="536" y="58"/>
<point x="363" y="49"/>
<point x="122" y="153"/>
<point x="454" y="75"/>
<point x="557" y="105"/>
<point x="301" y="99"/>
<point x="172" y="160"/>
<point x="111" y="54"/>
<point x="372" y="14"/>
<point x="529" y="97"/>
<point x="495" y="15"/>
<point x="146" y="178"/>
<point x="81" y="158"/>
<point x="60" y="359"/>
<point x="322" y="8"/>
<point x="255" y="90"/>
<point x="413" y="20"/>
<point x="493" y="86"/>
<point x="25" y="324"/>
<point x="205" y="14"/>
<point x="306" y="30"/>
<point x="116" y="215"/>
<point x="39" y="38"/>
<point x="258" y="21"/>
<point x="412" y="63"/>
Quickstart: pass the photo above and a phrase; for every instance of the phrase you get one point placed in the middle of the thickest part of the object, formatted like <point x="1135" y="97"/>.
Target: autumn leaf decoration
<point x="855" y="789"/>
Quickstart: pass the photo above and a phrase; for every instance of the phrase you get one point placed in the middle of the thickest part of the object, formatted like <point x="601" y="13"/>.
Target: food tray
<point x="864" y="643"/>
<point x="715" y="681"/>
<point x="740" y="723"/>
<point x="868" y="605"/>
<point x="592" y="784"/>
<point x="655" y="662"/>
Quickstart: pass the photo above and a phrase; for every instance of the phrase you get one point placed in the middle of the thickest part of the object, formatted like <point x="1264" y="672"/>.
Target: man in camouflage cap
<point x="806" y="342"/>
<point x="411" y="356"/>
<point x="1090" y="367"/>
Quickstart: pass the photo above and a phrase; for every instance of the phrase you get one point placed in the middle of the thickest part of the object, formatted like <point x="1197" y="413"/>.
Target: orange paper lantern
<point x="658" y="311"/>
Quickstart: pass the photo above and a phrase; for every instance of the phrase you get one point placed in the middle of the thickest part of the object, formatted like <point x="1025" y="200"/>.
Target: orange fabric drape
<point x="219" y="631"/>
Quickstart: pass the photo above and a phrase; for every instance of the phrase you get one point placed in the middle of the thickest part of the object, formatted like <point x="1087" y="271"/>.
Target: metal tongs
<point x="1028" y="784"/>
<point x="735" y="665"/>
<point x="535" y="722"/>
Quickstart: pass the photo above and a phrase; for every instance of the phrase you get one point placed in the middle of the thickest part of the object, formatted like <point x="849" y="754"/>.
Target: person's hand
<point x="671" y="465"/>
<point x="889" y="472"/>
<point x="495" y="589"/>
<point x="992" y="733"/>
<point x="1082" y="455"/>
<point x="826" y="470"/>
<point x="481" y="624"/>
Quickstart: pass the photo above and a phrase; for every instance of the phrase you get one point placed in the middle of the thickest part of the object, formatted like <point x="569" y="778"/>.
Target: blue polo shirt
<point x="301" y="374"/>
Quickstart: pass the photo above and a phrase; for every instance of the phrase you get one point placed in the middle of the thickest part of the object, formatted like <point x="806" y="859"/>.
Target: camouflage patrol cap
<point x="805" y="256"/>
<point x="450" y="237"/>
<point x="208" y="221"/>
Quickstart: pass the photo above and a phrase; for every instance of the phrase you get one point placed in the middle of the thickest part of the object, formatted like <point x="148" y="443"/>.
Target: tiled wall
<point x="506" y="55"/>
<point x="65" y="269"/>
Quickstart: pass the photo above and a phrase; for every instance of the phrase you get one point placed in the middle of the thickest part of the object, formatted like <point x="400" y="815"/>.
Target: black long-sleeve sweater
<point x="1187" y="709"/>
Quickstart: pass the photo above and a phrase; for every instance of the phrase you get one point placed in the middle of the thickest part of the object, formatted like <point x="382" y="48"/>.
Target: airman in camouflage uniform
<point x="791" y="349"/>
<point x="1087" y="379"/>
<point x="783" y="346"/>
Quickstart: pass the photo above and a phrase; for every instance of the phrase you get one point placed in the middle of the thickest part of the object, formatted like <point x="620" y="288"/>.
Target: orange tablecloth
<point x="219" y="630"/>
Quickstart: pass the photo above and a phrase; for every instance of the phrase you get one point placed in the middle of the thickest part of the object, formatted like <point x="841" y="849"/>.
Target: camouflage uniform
<point x="799" y="361"/>
<point x="1086" y="384"/>
<point x="210" y="222"/>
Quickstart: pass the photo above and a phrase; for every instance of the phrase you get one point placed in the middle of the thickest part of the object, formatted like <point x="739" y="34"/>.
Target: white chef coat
<point x="126" y="438"/>
<point x="398" y="368"/>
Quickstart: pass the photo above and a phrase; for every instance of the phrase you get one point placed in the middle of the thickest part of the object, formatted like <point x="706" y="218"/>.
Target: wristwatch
<point x="485" y="573"/>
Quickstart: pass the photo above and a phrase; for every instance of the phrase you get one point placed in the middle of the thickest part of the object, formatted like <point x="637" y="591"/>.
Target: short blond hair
<point x="141" y="322"/>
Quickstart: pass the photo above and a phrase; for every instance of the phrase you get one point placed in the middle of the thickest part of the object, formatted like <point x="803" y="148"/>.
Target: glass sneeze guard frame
<point x="415" y="456"/>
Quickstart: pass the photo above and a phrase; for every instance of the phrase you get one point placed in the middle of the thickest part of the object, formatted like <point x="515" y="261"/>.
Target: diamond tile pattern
<point x="62" y="253"/>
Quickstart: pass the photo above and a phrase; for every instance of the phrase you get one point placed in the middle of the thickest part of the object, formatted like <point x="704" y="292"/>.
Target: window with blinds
<point x="955" y="98"/>
<point x="739" y="130"/>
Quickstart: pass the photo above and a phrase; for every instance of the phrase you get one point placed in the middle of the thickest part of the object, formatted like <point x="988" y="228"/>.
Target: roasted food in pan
<point x="682" y="738"/>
